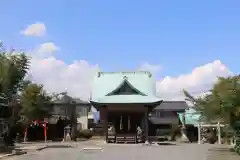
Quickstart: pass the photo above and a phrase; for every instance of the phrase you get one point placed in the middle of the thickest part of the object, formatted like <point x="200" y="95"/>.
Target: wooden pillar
<point x="102" y="112"/>
<point x="146" y="125"/>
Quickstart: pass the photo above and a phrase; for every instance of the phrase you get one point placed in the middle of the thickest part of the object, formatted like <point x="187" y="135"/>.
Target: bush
<point x="212" y="137"/>
<point x="85" y="134"/>
<point x="237" y="143"/>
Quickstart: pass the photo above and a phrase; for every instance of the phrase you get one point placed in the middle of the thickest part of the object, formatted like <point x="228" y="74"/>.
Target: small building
<point x="125" y="101"/>
<point x="64" y="107"/>
<point x="166" y="116"/>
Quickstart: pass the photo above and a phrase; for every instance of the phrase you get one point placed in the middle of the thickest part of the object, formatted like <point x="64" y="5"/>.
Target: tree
<point x="222" y="102"/>
<point x="36" y="104"/>
<point x="13" y="69"/>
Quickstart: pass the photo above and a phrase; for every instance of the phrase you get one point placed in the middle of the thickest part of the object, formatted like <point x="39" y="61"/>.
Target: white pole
<point x="199" y="134"/>
<point x="219" y="132"/>
<point x="129" y="125"/>
<point x="121" y="126"/>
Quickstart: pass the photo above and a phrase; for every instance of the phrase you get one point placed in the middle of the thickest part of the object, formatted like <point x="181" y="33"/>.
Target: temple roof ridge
<point x="126" y="72"/>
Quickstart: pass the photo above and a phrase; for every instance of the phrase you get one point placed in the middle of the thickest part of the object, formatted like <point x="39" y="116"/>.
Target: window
<point x="59" y="109"/>
<point x="164" y="114"/>
<point x="158" y="114"/>
<point x="79" y="109"/>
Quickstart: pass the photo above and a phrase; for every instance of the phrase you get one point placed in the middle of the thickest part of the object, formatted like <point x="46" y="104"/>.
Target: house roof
<point x="106" y="83"/>
<point x="67" y="99"/>
<point x="172" y="105"/>
<point x="164" y="120"/>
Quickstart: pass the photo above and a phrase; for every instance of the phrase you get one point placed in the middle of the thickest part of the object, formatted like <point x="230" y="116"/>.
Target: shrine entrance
<point x="126" y="122"/>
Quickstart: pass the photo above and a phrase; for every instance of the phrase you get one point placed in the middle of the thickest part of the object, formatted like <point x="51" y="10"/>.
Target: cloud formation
<point x="36" y="29"/>
<point x="76" y="78"/>
<point x="57" y="76"/>
<point x="46" y="49"/>
<point x="200" y="80"/>
<point x="153" y="68"/>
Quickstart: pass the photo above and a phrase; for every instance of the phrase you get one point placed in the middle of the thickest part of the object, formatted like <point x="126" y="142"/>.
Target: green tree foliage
<point x="13" y="69"/>
<point x="36" y="104"/>
<point x="222" y="102"/>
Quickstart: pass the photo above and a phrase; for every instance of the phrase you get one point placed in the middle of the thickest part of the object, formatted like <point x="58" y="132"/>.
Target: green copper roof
<point x="128" y="99"/>
<point x="191" y="116"/>
<point x="105" y="83"/>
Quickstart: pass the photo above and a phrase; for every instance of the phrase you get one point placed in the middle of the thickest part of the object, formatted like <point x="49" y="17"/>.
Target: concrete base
<point x="147" y="143"/>
<point x="184" y="138"/>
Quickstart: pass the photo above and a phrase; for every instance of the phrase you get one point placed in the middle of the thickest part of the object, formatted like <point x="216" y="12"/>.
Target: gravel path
<point x="132" y="152"/>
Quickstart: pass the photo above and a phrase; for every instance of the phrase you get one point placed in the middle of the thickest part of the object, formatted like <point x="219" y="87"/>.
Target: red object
<point x="45" y="129"/>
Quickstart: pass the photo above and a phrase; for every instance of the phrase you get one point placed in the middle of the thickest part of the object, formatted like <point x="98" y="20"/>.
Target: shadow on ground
<point x="166" y="144"/>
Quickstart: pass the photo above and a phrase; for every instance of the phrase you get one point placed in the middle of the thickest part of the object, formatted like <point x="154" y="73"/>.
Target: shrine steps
<point x="126" y="139"/>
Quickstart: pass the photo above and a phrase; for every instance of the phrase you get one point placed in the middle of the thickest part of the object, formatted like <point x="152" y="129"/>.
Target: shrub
<point x="237" y="143"/>
<point x="85" y="134"/>
<point x="212" y="137"/>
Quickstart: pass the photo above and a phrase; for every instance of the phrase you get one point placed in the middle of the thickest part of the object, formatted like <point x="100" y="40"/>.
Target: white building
<point x="70" y="107"/>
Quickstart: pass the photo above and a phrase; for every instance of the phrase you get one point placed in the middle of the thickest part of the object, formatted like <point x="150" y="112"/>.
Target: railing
<point x="237" y="142"/>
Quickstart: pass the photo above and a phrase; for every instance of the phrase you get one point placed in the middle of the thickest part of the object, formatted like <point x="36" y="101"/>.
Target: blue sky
<point x="123" y="34"/>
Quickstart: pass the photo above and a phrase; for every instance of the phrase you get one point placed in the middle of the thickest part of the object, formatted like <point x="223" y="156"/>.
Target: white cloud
<point x="57" y="76"/>
<point x="153" y="68"/>
<point x="198" y="81"/>
<point x="36" y="29"/>
<point x="76" y="78"/>
<point x="46" y="49"/>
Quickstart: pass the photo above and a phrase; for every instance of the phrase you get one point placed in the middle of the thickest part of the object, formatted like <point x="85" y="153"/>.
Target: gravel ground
<point x="132" y="152"/>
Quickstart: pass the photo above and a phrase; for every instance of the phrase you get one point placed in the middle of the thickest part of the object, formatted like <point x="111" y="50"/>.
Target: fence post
<point x="219" y="133"/>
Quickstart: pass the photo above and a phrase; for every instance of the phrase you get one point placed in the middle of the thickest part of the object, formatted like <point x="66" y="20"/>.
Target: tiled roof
<point x="67" y="99"/>
<point x="172" y="105"/>
<point x="191" y="116"/>
<point x="170" y="120"/>
<point x="106" y="82"/>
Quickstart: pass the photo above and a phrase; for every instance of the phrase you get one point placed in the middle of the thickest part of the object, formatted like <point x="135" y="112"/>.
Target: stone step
<point x="127" y="139"/>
